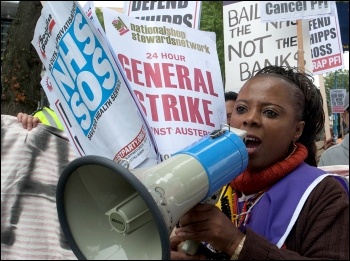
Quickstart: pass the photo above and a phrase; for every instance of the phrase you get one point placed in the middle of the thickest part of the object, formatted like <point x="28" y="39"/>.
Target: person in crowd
<point x="230" y="98"/>
<point x="284" y="206"/>
<point x="339" y="153"/>
<point x="322" y="144"/>
<point x="340" y="138"/>
<point x="43" y="115"/>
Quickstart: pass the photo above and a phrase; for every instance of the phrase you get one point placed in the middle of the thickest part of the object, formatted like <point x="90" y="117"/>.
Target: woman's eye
<point x="270" y="113"/>
<point x="240" y="109"/>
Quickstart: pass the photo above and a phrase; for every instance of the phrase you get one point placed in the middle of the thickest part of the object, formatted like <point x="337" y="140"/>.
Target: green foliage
<point x="336" y="80"/>
<point x="212" y="21"/>
<point x="99" y="15"/>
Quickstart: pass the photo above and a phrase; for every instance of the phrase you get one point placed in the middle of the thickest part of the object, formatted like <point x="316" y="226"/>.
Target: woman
<point x="284" y="207"/>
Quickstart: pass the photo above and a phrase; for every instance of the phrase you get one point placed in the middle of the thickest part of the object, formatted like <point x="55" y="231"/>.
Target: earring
<point x="294" y="148"/>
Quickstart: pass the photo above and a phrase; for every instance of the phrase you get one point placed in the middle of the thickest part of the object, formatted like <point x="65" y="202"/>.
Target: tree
<point x="99" y="15"/>
<point x="336" y="80"/>
<point x="212" y="21"/>
<point x="21" y="65"/>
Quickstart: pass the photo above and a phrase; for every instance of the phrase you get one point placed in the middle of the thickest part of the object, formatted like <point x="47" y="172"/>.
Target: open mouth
<point x="252" y="144"/>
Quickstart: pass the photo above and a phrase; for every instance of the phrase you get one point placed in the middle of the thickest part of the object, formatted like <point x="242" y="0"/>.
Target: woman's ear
<point x="299" y="130"/>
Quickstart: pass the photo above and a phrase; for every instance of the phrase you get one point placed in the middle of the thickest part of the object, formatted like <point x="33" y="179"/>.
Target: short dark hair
<point x="231" y="96"/>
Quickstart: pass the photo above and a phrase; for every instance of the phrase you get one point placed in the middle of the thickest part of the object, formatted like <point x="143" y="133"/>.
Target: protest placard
<point x="175" y="73"/>
<point x="186" y="13"/>
<point x="87" y="88"/>
<point x="337" y="97"/>
<point x="325" y="36"/>
<point x="326" y="44"/>
<point x="293" y="10"/>
<point x="251" y="44"/>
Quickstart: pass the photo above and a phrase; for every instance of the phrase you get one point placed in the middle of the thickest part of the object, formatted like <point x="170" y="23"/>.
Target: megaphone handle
<point x="190" y="247"/>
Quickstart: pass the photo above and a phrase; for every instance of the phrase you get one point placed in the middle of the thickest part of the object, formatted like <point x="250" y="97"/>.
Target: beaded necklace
<point x="241" y="217"/>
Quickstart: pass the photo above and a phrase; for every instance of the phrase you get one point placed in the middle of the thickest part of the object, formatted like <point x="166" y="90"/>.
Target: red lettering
<point x="169" y="108"/>
<point x="167" y="75"/>
<point x="129" y="148"/>
<point x="153" y="106"/>
<point x="199" y="81"/>
<point x="179" y="108"/>
<point x="207" y="112"/>
<point x="193" y="108"/>
<point x="183" y="77"/>
<point x="183" y="107"/>
<point x="136" y="72"/>
<point x="152" y="75"/>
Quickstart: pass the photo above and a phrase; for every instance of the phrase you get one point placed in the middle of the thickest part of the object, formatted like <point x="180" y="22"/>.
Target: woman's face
<point x="264" y="109"/>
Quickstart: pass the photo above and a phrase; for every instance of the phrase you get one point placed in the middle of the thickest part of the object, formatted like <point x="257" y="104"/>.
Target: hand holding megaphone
<point x="190" y="247"/>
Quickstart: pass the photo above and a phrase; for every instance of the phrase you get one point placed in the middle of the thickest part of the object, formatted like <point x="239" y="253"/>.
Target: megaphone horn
<point x="107" y="211"/>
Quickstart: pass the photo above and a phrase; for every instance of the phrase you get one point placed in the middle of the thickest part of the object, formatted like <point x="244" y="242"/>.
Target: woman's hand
<point x="206" y="222"/>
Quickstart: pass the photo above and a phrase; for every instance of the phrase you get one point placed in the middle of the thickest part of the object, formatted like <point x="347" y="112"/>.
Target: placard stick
<point x="321" y="80"/>
<point x="301" y="64"/>
<point x="325" y="107"/>
<point x="341" y="125"/>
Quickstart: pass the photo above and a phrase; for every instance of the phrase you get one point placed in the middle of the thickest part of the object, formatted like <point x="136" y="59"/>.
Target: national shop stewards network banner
<point x="175" y="73"/>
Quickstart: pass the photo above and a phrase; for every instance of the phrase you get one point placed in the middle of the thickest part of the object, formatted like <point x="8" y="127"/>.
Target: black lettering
<point x="136" y="5"/>
<point x="187" y="20"/>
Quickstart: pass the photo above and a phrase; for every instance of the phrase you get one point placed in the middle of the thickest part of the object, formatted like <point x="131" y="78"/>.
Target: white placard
<point x="294" y="10"/>
<point x="175" y="73"/>
<point x="326" y="44"/>
<point x="251" y="44"/>
<point x="186" y="13"/>
<point x="337" y="99"/>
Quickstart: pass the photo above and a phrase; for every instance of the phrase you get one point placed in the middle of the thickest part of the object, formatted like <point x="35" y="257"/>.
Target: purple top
<point x="275" y="213"/>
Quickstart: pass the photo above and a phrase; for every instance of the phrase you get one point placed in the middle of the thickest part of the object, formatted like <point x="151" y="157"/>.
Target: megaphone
<point x="107" y="211"/>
